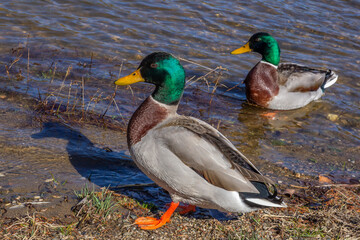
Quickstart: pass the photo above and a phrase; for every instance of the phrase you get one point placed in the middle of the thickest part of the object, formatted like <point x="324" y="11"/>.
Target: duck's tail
<point x="330" y="78"/>
<point x="264" y="198"/>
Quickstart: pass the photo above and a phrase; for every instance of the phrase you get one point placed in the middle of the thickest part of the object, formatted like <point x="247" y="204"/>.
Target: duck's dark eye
<point x="134" y="74"/>
<point x="154" y="65"/>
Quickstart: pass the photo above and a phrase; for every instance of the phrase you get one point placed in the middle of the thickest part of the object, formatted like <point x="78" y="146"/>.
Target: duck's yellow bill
<point x="130" y="79"/>
<point x="243" y="49"/>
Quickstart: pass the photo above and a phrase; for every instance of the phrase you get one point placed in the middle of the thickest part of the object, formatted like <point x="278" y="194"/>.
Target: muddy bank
<point x="313" y="212"/>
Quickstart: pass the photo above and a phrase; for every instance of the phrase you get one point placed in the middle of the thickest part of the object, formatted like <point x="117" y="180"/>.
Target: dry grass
<point x="34" y="227"/>
<point x="313" y="213"/>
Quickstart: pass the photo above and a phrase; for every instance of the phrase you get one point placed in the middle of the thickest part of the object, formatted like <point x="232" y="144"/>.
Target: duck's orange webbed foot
<point x="188" y="208"/>
<point x="269" y="115"/>
<point x="149" y="223"/>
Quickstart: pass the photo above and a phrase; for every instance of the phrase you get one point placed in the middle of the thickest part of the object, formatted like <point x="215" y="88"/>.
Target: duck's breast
<point x="261" y="84"/>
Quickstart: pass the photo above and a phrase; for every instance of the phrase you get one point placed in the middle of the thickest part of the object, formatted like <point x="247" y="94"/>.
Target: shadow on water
<point x="116" y="170"/>
<point x="98" y="165"/>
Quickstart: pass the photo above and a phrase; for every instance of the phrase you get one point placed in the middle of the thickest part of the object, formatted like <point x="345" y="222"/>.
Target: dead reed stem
<point x="195" y="63"/>
<point x="83" y="95"/>
<point x="53" y="75"/>
<point x="114" y="94"/>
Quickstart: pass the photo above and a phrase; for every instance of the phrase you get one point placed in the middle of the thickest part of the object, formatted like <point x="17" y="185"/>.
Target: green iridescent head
<point x="165" y="72"/>
<point x="264" y="44"/>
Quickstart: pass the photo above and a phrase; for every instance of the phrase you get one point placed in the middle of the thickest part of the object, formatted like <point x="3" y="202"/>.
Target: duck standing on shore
<point x="187" y="157"/>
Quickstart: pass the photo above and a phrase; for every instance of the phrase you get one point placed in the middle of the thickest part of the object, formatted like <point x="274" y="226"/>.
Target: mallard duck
<point x="190" y="159"/>
<point x="281" y="86"/>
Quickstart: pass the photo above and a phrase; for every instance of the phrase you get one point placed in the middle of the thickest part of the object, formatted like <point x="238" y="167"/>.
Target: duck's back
<point x="298" y="78"/>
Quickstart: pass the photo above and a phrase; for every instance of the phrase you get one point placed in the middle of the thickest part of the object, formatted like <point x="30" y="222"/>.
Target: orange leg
<point x="188" y="208"/>
<point x="149" y="223"/>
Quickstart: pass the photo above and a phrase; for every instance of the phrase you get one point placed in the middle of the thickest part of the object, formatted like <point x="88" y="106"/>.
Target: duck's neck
<point x="168" y="94"/>
<point x="271" y="53"/>
<point x="171" y="88"/>
<point x="149" y="114"/>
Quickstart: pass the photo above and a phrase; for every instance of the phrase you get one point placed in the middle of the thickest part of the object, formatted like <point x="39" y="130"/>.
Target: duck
<point x="281" y="86"/>
<point x="190" y="159"/>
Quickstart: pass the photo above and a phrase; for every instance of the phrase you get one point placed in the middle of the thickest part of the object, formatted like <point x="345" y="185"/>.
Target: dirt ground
<point x="324" y="211"/>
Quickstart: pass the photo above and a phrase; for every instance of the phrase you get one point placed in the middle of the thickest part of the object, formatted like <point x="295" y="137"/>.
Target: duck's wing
<point x="206" y="151"/>
<point x="298" y="78"/>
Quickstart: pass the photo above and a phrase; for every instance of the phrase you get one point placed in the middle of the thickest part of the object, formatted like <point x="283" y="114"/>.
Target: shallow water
<point x="93" y="39"/>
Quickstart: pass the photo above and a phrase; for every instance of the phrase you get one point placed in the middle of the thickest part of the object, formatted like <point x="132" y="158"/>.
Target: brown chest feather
<point x="147" y="116"/>
<point x="261" y="84"/>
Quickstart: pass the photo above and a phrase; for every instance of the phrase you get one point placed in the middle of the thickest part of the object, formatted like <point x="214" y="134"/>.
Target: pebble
<point x="37" y="197"/>
<point x="297" y="175"/>
<point x="332" y="117"/>
<point x="2" y="96"/>
<point x="344" y="121"/>
<point x="2" y="175"/>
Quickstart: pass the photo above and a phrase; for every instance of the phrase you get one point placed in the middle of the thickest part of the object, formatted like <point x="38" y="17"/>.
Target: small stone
<point x="2" y="175"/>
<point x="332" y="117"/>
<point x="49" y="180"/>
<point x="344" y="121"/>
<point x="280" y="182"/>
<point x="2" y="96"/>
<point x="297" y="175"/>
<point x="40" y="200"/>
<point x="324" y="179"/>
<point x="37" y="197"/>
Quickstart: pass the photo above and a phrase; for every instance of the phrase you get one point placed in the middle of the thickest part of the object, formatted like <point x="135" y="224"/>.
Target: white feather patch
<point x="264" y="202"/>
<point x="269" y="64"/>
<point x="331" y="82"/>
